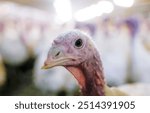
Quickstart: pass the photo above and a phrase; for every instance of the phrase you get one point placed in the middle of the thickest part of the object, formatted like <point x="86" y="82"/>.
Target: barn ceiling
<point x="79" y="4"/>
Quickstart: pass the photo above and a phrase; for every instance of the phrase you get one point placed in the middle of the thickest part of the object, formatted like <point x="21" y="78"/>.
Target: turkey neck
<point x="94" y="78"/>
<point x="89" y="75"/>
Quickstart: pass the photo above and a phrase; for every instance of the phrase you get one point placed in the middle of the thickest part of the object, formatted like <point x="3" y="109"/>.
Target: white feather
<point x="114" y="51"/>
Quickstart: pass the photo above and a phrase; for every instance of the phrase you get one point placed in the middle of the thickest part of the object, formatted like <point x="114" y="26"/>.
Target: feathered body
<point x="141" y="55"/>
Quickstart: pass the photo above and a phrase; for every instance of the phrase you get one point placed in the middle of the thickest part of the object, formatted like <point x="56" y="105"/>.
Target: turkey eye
<point x="78" y="43"/>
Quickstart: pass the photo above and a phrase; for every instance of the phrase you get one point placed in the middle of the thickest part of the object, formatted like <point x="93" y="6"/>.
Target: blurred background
<point x="120" y="29"/>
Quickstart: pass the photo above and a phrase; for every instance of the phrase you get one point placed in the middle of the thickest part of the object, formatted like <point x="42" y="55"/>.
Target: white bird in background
<point x="12" y="49"/>
<point x="141" y="56"/>
<point x="113" y="44"/>
<point x="31" y="36"/>
<point x="21" y="32"/>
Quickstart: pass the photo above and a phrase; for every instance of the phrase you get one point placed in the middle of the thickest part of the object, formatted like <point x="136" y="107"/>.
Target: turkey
<point x="113" y="44"/>
<point x="20" y="32"/>
<point x="141" y="55"/>
<point x="12" y="49"/>
<point x="76" y="52"/>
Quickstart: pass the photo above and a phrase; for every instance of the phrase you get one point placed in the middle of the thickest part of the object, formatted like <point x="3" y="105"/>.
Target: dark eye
<point x="78" y="43"/>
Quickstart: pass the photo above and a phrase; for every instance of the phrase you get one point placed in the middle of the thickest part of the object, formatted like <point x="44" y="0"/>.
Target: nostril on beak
<point x="57" y="53"/>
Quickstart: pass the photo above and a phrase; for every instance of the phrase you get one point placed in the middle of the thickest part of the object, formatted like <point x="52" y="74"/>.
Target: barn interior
<point x="120" y="29"/>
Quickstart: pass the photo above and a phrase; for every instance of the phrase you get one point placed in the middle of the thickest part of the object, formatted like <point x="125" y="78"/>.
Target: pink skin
<point x="65" y="44"/>
<point x="83" y="62"/>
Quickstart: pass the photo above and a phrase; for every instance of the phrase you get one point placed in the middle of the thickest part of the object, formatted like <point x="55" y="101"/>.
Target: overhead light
<point x="94" y="11"/>
<point x="63" y="9"/>
<point x="124" y="3"/>
<point x="87" y="13"/>
<point x="105" y="6"/>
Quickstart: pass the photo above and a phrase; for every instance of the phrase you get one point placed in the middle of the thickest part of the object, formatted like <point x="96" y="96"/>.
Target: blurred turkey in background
<point x="119" y="28"/>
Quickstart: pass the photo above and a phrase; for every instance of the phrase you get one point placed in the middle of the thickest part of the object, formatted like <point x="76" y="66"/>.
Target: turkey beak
<point x="60" y="62"/>
<point x="56" y="58"/>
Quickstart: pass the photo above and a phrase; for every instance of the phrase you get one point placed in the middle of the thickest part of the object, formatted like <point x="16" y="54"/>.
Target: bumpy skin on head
<point x="77" y="53"/>
<point x="64" y="44"/>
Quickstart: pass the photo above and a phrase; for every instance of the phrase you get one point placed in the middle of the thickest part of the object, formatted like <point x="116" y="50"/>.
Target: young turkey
<point x="20" y="32"/>
<point x="77" y="53"/>
<point x="113" y="44"/>
<point x="12" y="49"/>
<point x="141" y="55"/>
